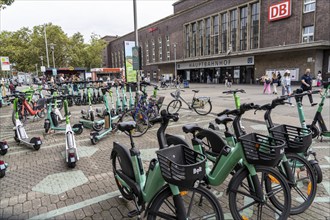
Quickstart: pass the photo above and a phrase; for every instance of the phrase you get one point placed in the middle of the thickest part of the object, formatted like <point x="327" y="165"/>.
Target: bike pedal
<point x="133" y="213"/>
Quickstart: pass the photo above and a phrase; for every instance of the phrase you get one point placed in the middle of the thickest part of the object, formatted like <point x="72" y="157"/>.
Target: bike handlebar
<point x="233" y="91"/>
<point x="164" y="115"/>
<point x="236" y="112"/>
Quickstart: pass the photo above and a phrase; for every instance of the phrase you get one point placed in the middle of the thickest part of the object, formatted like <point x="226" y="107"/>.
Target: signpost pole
<point x="137" y="45"/>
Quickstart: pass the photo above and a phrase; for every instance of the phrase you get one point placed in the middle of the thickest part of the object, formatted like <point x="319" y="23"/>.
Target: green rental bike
<point x="171" y="186"/>
<point x="255" y="184"/>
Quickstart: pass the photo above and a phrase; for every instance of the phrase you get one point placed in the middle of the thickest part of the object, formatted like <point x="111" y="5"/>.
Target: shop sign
<point x="279" y="11"/>
<point x="240" y="61"/>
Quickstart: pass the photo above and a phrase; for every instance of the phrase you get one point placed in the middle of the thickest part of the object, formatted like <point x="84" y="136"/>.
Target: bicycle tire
<point x="296" y="206"/>
<point x="141" y="119"/>
<point x="164" y="202"/>
<point x="318" y="172"/>
<point x="174" y="106"/>
<point x="239" y="184"/>
<point x="198" y="110"/>
<point x="42" y="113"/>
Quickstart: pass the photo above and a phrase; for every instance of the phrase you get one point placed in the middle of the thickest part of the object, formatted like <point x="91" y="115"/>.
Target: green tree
<point x="24" y="48"/>
<point x="6" y="2"/>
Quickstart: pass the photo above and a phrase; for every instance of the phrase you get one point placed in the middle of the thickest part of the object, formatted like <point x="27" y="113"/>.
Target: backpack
<point x="267" y="81"/>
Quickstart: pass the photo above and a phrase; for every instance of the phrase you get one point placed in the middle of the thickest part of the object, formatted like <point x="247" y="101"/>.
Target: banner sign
<point x="130" y="73"/>
<point x="239" y="61"/>
<point x="5" y="64"/>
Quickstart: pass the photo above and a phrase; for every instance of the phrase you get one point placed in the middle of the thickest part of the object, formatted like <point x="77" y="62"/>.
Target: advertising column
<point x="129" y="72"/>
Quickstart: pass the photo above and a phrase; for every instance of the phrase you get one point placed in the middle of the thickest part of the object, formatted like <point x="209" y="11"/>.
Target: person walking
<point x="226" y="79"/>
<point x="230" y="80"/>
<point x="279" y="79"/>
<point x="319" y="79"/>
<point x="274" y="83"/>
<point x="267" y="81"/>
<point x="286" y="86"/>
<point x="306" y="85"/>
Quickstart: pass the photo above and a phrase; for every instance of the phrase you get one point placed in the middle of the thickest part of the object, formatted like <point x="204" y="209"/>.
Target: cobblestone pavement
<point x="38" y="184"/>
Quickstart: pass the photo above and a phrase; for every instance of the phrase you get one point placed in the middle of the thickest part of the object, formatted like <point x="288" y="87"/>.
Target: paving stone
<point x="79" y="214"/>
<point x="54" y="199"/>
<point x="69" y="202"/>
<point x="115" y="213"/>
<point x="18" y="209"/>
<point x="13" y="200"/>
<point x="96" y="208"/>
<point x="70" y="215"/>
<point x="105" y="205"/>
<point x="22" y="198"/>
<point x="51" y="207"/>
<point x="4" y="203"/>
<point x="97" y="216"/>
<point x="106" y="215"/>
<point x="8" y="211"/>
<point x="45" y="200"/>
<point x="88" y="211"/>
<point x="42" y="210"/>
<point x="36" y="203"/>
<point x="27" y="206"/>
<point x="60" y="204"/>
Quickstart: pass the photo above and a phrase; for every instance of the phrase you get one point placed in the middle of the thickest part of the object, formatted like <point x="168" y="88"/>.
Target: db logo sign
<point x="279" y="11"/>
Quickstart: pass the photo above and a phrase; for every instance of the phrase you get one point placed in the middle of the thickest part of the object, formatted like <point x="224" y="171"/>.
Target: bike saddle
<point x="196" y="91"/>
<point x="126" y="126"/>
<point x="191" y="128"/>
<point x="223" y="119"/>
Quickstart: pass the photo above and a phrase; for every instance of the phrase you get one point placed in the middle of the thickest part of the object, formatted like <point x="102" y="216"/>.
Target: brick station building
<point x="207" y="38"/>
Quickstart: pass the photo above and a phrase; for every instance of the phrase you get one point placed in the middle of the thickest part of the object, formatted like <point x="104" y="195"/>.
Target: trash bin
<point x="185" y="84"/>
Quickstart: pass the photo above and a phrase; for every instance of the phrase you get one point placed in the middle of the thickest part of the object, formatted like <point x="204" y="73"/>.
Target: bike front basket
<point x="175" y="94"/>
<point x="297" y="139"/>
<point x="181" y="166"/>
<point x="262" y="150"/>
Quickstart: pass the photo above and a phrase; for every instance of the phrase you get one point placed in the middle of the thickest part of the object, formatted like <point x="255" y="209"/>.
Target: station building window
<point x="200" y="38"/>
<point x="233" y="29"/>
<point x="194" y="38"/>
<point x="216" y="34"/>
<point x="207" y="36"/>
<point x="308" y="34"/>
<point x="243" y="28"/>
<point x="187" y="33"/>
<point x="224" y="30"/>
<point x="147" y="52"/>
<point x="160" y="49"/>
<point x="168" y="54"/>
<point x="153" y="50"/>
<point x="309" y="6"/>
<point x="254" y="30"/>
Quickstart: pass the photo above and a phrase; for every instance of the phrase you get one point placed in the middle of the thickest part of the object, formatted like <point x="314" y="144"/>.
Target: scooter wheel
<point x="79" y="129"/>
<point x="3" y="152"/>
<point x="318" y="172"/>
<point x="71" y="164"/>
<point x="36" y="146"/>
<point x="94" y="140"/>
<point x="16" y="138"/>
<point x="2" y="173"/>
<point x="97" y="127"/>
<point x="315" y="130"/>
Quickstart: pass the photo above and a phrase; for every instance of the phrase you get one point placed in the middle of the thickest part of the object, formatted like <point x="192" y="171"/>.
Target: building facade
<point x="205" y="39"/>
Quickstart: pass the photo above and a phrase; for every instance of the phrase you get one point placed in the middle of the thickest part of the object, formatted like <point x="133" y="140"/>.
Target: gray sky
<point x="107" y="17"/>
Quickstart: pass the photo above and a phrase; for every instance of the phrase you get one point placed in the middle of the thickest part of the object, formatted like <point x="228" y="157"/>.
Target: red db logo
<point x="279" y="11"/>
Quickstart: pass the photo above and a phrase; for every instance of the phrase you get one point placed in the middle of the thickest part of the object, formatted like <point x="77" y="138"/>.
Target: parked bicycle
<point x="201" y="105"/>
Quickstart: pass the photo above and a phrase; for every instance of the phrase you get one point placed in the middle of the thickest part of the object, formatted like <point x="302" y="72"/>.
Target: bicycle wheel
<point x="303" y="185"/>
<point x="201" y="107"/>
<point x="42" y="113"/>
<point x="153" y="112"/>
<point x="243" y="198"/>
<point x="174" y="106"/>
<point x="141" y="119"/>
<point x="199" y="202"/>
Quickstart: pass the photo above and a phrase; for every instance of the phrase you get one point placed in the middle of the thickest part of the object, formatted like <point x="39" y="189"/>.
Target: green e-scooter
<point x="110" y="121"/>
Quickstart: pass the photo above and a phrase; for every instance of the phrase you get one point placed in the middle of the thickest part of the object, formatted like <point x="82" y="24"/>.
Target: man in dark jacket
<point x="306" y="85"/>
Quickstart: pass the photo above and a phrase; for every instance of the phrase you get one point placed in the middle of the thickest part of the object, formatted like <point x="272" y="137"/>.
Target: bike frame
<point x="318" y="116"/>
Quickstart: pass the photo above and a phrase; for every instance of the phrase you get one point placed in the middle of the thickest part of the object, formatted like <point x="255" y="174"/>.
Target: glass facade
<point x="194" y="38"/>
<point x="309" y="6"/>
<point x="224" y="32"/>
<point x="187" y="33"/>
<point x="168" y="54"/>
<point x="147" y="52"/>
<point x="233" y="29"/>
<point x="207" y="36"/>
<point x="254" y="29"/>
<point x="200" y="38"/>
<point x="160" y="49"/>
<point x="308" y="34"/>
<point x="153" y="50"/>
<point x="243" y="28"/>
<point x="216" y="34"/>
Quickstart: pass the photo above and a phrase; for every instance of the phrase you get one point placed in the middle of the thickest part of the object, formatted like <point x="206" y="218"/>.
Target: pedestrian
<point x="274" y="83"/>
<point x="267" y="81"/>
<point x="319" y="79"/>
<point x="286" y="86"/>
<point x="230" y="80"/>
<point x="12" y="88"/>
<point x="306" y="85"/>
<point x="226" y="79"/>
<point x="279" y="78"/>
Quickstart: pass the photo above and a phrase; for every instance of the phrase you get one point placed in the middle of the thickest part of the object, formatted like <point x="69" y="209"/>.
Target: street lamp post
<point x="52" y="48"/>
<point x="47" y="56"/>
<point x="175" y="72"/>
<point x="36" y="69"/>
